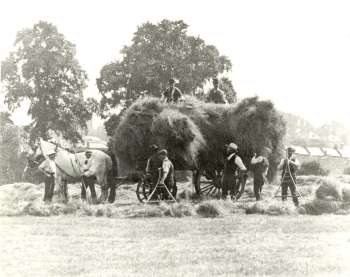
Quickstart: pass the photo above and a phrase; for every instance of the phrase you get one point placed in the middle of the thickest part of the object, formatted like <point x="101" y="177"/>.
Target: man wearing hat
<point x="172" y="94"/>
<point x="48" y="167"/>
<point x="289" y="167"/>
<point x="88" y="177"/>
<point x="232" y="163"/>
<point x="216" y="95"/>
<point x="260" y="166"/>
<point x="153" y="164"/>
<point x="167" y="171"/>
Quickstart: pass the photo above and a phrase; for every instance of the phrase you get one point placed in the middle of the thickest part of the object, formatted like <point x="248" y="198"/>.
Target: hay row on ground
<point x="195" y="133"/>
<point x="322" y="195"/>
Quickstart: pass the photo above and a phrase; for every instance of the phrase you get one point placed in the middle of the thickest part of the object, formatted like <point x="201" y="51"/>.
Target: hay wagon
<point x="195" y="134"/>
<point x="206" y="183"/>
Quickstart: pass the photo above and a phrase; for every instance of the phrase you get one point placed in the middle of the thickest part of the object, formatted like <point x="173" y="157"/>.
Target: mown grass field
<point x="254" y="245"/>
<point x="207" y="238"/>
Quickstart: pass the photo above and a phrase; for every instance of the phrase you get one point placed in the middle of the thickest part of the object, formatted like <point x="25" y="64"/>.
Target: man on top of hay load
<point x="289" y="166"/>
<point x="232" y="163"/>
<point x="48" y="167"/>
<point x="172" y="94"/>
<point x="260" y="166"/>
<point x="216" y="95"/>
<point x="167" y="176"/>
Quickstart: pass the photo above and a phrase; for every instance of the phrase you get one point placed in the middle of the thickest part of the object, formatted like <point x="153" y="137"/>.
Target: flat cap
<point x="163" y="151"/>
<point x="51" y="153"/>
<point x="232" y="146"/>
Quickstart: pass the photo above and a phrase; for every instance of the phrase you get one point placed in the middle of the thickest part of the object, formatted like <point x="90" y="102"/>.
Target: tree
<point x="11" y="165"/>
<point x="5" y="118"/>
<point x="227" y="86"/>
<point x="159" y="52"/>
<point x="44" y="70"/>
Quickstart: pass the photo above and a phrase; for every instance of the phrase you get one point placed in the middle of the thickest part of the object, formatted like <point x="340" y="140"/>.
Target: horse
<point x="69" y="170"/>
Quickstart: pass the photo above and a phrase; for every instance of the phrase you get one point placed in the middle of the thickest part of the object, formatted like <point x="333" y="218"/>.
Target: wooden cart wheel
<point x="208" y="186"/>
<point x="212" y="185"/>
<point x="142" y="190"/>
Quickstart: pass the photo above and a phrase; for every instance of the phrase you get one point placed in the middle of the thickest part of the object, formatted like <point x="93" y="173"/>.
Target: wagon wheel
<point x="143" y="190"/>
<point x="211" y="185"/>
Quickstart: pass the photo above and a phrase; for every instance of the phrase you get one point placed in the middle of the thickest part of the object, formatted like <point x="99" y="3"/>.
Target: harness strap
<point x="41" y="149"/>
<point x="64" y="171"/>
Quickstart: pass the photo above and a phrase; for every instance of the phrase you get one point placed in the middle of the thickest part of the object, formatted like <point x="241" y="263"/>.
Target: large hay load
<point x="195" y="133"/>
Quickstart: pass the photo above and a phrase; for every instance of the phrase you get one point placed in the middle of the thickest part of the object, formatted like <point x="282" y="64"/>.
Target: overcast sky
<point x="296" y="53"/>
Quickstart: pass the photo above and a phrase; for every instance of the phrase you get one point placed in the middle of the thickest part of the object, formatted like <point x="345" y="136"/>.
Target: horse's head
<point x="34" y="158"/>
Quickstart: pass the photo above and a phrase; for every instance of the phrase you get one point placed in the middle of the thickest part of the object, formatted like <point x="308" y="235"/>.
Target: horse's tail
<point x="109" y="170"/>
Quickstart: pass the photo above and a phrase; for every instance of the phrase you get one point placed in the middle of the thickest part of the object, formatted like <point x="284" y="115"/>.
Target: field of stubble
<point x="211" y="238"/>
<point x="253" y="245"/>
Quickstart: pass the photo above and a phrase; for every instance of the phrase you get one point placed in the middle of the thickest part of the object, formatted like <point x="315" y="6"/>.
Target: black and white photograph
<point x="175" y="138"/>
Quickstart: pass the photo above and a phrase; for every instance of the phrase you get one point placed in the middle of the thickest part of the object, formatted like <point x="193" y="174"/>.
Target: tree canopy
<point x="159" y="52"/>
<point x="43" y="69"/>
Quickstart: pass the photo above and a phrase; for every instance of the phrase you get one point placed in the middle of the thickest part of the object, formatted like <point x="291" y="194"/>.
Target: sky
<point x="295" y="53"/>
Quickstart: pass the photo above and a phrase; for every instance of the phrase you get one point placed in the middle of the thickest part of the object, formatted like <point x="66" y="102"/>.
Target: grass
<point x="254" y="245"/>
<point x="320" y="195"/>
<point x="207" y="238"/>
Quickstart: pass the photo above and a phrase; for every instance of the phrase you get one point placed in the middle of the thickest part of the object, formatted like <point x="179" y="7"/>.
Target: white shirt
<point x="296" y="163"/>
<point x="52" y="166"/>
<point x="238" y="162"/>
<point x="166" y="166"/>
<point x="256" y="160"/>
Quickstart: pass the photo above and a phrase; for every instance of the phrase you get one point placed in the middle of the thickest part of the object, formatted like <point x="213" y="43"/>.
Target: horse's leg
<point x="83" y="189"/>
<point x="111" y="196"/>
<point x="60" y="182"/>
<point x="93" y="192"/>
<point x="65" y="190"/>
<point x="102" y="181"/>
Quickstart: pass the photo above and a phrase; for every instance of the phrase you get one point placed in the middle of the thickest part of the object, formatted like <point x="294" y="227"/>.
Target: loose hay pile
<point x="272" y="207"/>
<point x="332" y="196"/>
<point x="195" y="132"/>
<point x="321" y="195"/>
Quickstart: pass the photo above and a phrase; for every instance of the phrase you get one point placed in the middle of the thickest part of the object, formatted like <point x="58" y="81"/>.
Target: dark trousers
<point x="49" y="188"/>
<point x="259" y="181"/>
<point x="291" y="185"/>
<point x="88" y="182"/>
<point x="229" y="184"/>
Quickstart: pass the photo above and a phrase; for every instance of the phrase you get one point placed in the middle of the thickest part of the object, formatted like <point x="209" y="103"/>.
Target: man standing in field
<point x="289" y="167"/>
<point x="260" y="166"/>
<point x="167" y="176"/>
<point x="229" y="178"/>
<point x="216" y="95"/>
<point x="48" y="167"/>
<point x="88" y="177"/>
<point x="172" y="93"/>
<point x="153" y="164"/>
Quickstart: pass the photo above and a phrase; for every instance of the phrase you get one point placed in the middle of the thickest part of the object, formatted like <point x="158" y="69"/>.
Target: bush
<point x="346" y="171"/>
<point x="11" y="162"/>
<point x="312" y="168"/>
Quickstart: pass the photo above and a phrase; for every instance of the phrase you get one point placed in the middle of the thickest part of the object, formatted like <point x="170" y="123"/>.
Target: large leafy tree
<point x="43" y="69"/>
<point x="5" y="118"/>
<point x="157" y="53"/>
